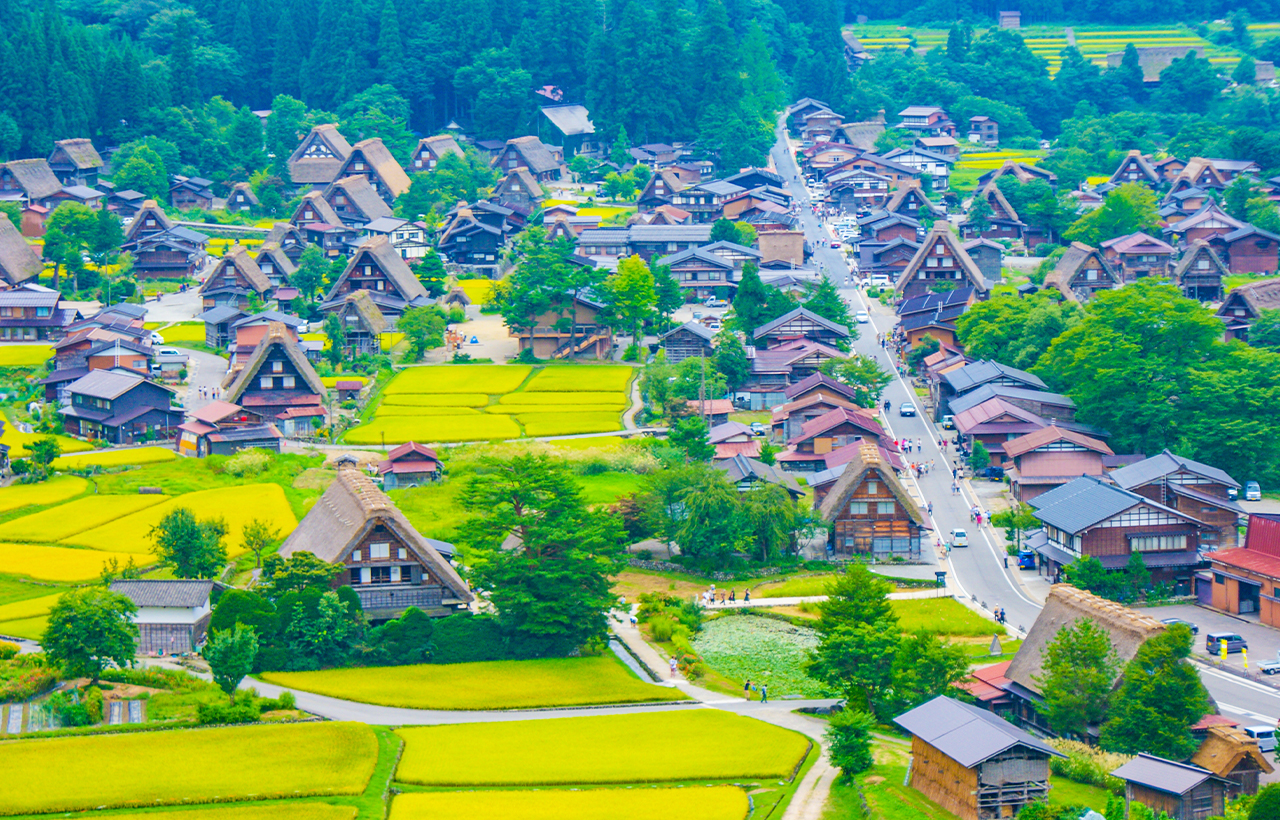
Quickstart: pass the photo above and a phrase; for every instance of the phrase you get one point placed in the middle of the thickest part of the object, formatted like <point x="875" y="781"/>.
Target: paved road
<point x="977" y="572"/>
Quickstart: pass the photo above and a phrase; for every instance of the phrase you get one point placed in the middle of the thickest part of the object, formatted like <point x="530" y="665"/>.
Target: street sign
<point x="941" y="576"/>
<point x="1222" y="650"/>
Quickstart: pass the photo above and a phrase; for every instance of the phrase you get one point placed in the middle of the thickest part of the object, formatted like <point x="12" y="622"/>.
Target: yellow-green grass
<point x="399" y="429"/>
<point x="480" y="378"/>
<point x="186" y="766"/>
<point x="580" y="378"/>
<point x="945" y="616"/>
<point x="30" y="628"/>
<point x="236" y="506"/>
<point x="488" y="685"/>
<point x="554" y="409"/>
<point x="706" y="803"/>
<point x="53" y="491"/>
<point x="575" y="398"/>
<point x="805" y="587"/>
<point x="15" y="355"/>
<point x="18" y="441"/>
<point x="479" y="291"/>
<point x="591" y="443"/>
<point x="390" y="340"/>
<point x="188" y="332"/>
<point x="604" y="211"/>
<point x="655" y="747"/>
<point x="444" y="400"/>
<point x="13" y="590"/>
<point x="30" y="608"/>
<point x="332" y="381"/>
<point x="307" y="810"/>
<point x="61" y="563"/>
<point x="65" y="520"/>
<point x="403" y="410"/>
<point x="606" y="488"/>
<point x="114" y="458"/>
<point x="569" y="424"/>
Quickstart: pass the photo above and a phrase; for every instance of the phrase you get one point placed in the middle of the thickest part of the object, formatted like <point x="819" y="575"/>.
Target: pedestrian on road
<point x="673" y="667"/>
<point x="746" y="689"/>
<point x="955" y="472"/>
<point x="764" y="693"/>
<point x="919" y="444"/>
<point x="930" y="508"/>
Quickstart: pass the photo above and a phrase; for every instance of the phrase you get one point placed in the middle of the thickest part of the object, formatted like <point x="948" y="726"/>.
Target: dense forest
<point x="117" y="70"/>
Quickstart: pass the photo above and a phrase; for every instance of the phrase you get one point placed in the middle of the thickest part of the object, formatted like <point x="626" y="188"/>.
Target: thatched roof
<point x="865" y="460"/>
<point x="281" y="260"/>
<point x="80" y="152"/>
<point x="439" y="146"/>
<point x="150" y="208"/>
<point x="362" y="303"/>
<point x="457" y="296"/>
<point x="380" y="252"/>
<point x="246" y="189"/>
<point x="535" y="154"/>
<point x="277" y="336"/>
<point x="383" y="163"/>
<point x="1071" y="263"/>
<point x="941" y="232"/>
<point x="360" y="195"/>
<point x="320" y="210"/>
<point x="351" y="507"/>
<point x="35" y="177"/>
<point x="319" y="170"/>
<point x="1225" y="748"/>
<point x="246" y="268"/>
<point x="1260" y="296"/>
<point x="18" y="260"/>
<point x="1065" y="605"/>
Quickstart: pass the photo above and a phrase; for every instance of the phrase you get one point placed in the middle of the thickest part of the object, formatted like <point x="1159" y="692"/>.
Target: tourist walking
<point x="764" y="693"/>
<point x="746" y="689"/>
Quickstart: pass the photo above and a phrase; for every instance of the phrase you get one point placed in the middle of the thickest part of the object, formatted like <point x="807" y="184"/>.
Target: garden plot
<point x="62" y="563"/>
<point x="114" y="458"/>
<point x="53" y="491"/>
<point x="639" y="748"/>
<point x="763" y="650"/>
<point x="235" y="505"/>
<point x="186" y="766"/>
<point x="706" y="803"/>
<point x="488" y="685"/>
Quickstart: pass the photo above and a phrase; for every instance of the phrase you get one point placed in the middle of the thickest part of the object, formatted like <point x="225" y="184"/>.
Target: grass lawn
<point x="490" y="379"/>
<point x="115" y="458"/>
<point x="62" y="563"/>
<point x="1235" y="280"/>
<point x="222" y="765"/>
<point x="65" y="520"/>
<point x="31" y="607"/>
<point x="707" y="803"/>
<point x="13" y="590"/>
<point x="488" y="685"/>
<point x="803" y="587"/>
<point x="580" y="378"/>
<point x="429" y="429"/>
<point x="186" y="332"/>
<point x="236" y="506"/>
<point x="632" y="582"/>
<point x="1064" y="792"/>
<point x="478" y="291"/>
<point x="606" y="488"/>
<point x="638" y="748"/>
<point x="24" y="355"/>
<point x="945" y="616"/>
<point x="53" y="491"/>
<point x="433" y="510"/>
<point x="886" y="795"/>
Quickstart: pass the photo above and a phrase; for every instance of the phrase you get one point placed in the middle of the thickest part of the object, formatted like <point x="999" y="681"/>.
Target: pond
<point x="765" y="650"/>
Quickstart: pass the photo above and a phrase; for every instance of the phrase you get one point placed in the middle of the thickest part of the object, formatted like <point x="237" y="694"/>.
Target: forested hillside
<point x="116" y="70"/>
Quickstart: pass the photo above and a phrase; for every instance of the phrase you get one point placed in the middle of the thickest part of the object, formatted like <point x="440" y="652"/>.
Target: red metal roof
<point x="1264" y="534"/>
<point x="1247" y="559"/>
<point x="988" y="682"/>
<point x="729" y="449"/>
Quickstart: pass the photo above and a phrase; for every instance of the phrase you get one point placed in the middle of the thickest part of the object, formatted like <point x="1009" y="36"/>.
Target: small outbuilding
<point x="410" y="465"/>
<point x="172" y="616"/>
<point x="1181" y="790"/>
<point x="1228" y="751"/>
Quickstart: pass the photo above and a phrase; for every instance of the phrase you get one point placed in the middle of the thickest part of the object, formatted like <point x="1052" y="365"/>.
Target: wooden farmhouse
<point x="171" y="617"/>
<point x="355" y="201"/>
<point x="1249" y="249"/>
<point x="974" y="764"/>
<point x="886" y="226"/>
<point x="29" y="181"/>
<point x="160" y="249"/>
<point x="1050" y="457"/>
<point x="318" y="158"/>
<point x="221" y="428"/>
<point x="870" y="511"/>
<point x="1199" y="273"/>
<point x="1082" y="272"/>
<point x="410" y="465"/>
<point x="372" y="160"/>
<point x="689" y="340"/>
<point x="1242" y="576"/>
<point x="789" y="419"/>
<point x="75" y="162"/>
<point x="819" y="384"/>
<point x="1136" y="168"/>
<point x="732" y="438"/>
<point x="941" y="262"/>
<point x="529" y="153"/>
<point x="18" y="260"/>
<point x="431" y="150"/>
<point x="314" y="208"/>
<point x="1183" y="791"/>
<point x="1003" y="222"/>
<point x="279" y="383"/>
<point x="235" y="281"/>
<point x="242" y="199"/>
<point x="119" y="407"/>
<point x="547" y="337"/>
<point x="1191" y="487"/>
<point x="186" y="193"/>
<point x="376" y="267"/>
<point x="387" y="562"/>
<point x="801" y="323"/>
<point x="1209" y="222"/>
<point x="910" y="200"/>
<point x="1138" y="255"/>
<point x="275" y="264"/>
<point x="1244" y="304"/>
<point x="363" y="322"/>
<point x="1230" y="753"/>
<point x="1020" y="171"/>
<point x="472" y="238"/>
<point x="520" y="191"/>
<point x="660" y="188"/>
<point x="747" y="473"/>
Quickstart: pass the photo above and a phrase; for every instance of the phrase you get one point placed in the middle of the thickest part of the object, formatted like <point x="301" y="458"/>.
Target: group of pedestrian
<point x="711" y="597"/>
<point x="209" y="392"/>
<point x="919" y="468"/>
<point x="748" y="688"/>
<point x="975" y="515"/>
<point x="908" y="445"/>
<point x="999" y="615"/>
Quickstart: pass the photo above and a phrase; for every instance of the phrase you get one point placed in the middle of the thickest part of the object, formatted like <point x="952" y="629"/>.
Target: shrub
<point x="248" y="462"/>
<point x="221" y="712"/>
<point x="849" y="733"/>
<point x="1088" y="764"/>
<point x="92" y="700"/>
<point x="8" y="650"/>
<point x="69" y="712"/>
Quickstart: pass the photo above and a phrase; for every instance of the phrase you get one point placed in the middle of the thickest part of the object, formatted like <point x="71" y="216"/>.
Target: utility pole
<point x="702" y="393"/>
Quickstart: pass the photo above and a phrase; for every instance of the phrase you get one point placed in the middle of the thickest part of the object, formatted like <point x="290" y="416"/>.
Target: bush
<point x="849" y="733"/>
<point x="1266" y="806"/>
<point x="8" y="651"/>
<point x="222" y="712"/>
<point x="91" y="699"/>
<point x="70" y="712"/>
<point x="247" y="462"/>
<point x="1088" y="764"/>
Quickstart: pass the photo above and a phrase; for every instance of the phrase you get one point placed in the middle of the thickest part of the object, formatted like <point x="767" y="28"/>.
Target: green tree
<point x="192" y="548"/>
<point x="670" y="296"/>
<point x="750" y="301"/>
<point x="980" y="213"/>
<point x="1087" y="573"/>
<point x="336" y="333"/>
<point x="1136" y="575"/>
<point x="1235" y="199"/>
<point x="849" y="741"/>
<point x="1015" y="521"/>
<point x="311" y="272"/>
<point x="1128" y="208"/>
<point x="231" y="654"/>
<point x="739" y="233"/>
<point x="325" y="637"/>
<point x="925" y="667"/>
<point x="431" y="273"/>
<point x="423" y="327"/>
<point x="1015" y="331"/>
<point x="553" y="584"/>
<point x="1267" y="804"/>
<point x="145" y="173"/>
<point x="89" y="628"/>
<point x="1080" y="668"/>
<point x="1265" y="330"/>
<point x="710" y="526"/>
<point x="69" y="231"/>
<point x="285" y="127"/>
<point x="655" y="386"/>
<point x="979" y="457"/>
<point x="864" y="374"/>
<point x="770" y="518"/>
<point x="826" y="302"/>
<point x="301" y="570"/>
<point x="256" y="536"/>
<point x="406" y="639"/>
<point x="696" y="378"/>
<point x="731" y="358"/>
<point x="632" y="295"/>
<point x="44" y="450"/>
<point x="689" y="435"/>
<point x="1160" y="696"/>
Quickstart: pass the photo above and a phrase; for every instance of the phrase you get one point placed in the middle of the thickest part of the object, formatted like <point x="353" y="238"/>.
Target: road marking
<point x="1236" y="710"/>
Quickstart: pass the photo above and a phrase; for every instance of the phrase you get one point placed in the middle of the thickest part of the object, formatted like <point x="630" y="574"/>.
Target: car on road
<point x="879" y="280"/>
<point x="835" y="243"/>
<point x="757" y="428"/>
<point x="1213" y="642"/>
<point x="1265" y="735"/>
<point x="906" y="409"/>
<point x="716" y="303"/>
<point x="861" y="317"/>
<point x="156" y="339"/>
<point x="992" y="473"/>
<point x="1195" y="630"/>
<point x="1252" y="491"/>
<point x="948" y="422"/>
<point x="959" y="538"/>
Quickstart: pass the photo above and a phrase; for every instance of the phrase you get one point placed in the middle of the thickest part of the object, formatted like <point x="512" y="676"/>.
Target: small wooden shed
<point x="1183" y="791"/>
<point x="1229" y="752"/>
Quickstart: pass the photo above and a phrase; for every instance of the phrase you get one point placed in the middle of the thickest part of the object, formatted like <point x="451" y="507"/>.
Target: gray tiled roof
<point x="182" y="594"/>
<point x="106" y="384"/>
<point x="1086" y="501"/>
<point x="987" y="392"/>
<point x="1162" y="775"/>
<point x="966" y="734"/>
<point x="1162" y="464"/>
<point x="979" y="373"/>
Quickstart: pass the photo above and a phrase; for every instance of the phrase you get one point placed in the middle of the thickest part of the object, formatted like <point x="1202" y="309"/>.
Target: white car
<point x="156" y="339"/>
<point x="861" y="317"/>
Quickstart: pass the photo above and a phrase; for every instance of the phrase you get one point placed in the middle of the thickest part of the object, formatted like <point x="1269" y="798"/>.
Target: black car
<point x="993" y="473"/>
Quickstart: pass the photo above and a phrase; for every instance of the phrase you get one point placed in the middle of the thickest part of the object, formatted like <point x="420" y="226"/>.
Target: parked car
<point x="906" y="409"/>
<point x="835" y="243"/>
<point x="1252" y="491"/>
<point x="697" y="315"/>
<point x="758" y="428"/>
<point x="861" y="317"/>
<point x="1195" y="630"/>
<point x="1265" y="735"/>
<point x="993" y="473"/>
<point x="717" y="303"/>
<point x="948" y="422"/>
<point x="880" y="280"/>
<point x="959" y="538"/>
<point x="156" y="339"/>
<point x="1213" y="642"/>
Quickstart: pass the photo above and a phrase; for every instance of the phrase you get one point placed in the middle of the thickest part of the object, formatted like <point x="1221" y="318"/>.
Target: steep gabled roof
<point x="384" y="165"/>
<point x="1167" y="463"/>
<point x="834" y="418"/>
<point x="150" y="208"/>
<point x="907" y="188"/>
<point x="1050" y="434"/>
<point x="941" y="232"/>
<point x="800" y="313"/>
<point x="351" y="507"/>
<point x="18" y="260"/>
<point x="535" y="154"/>
<point x="361" y="196"/>
<point x="1020" y="171"/>
<point x="440" y="145"/>
<point x="865" y="459"/>
<point x="316" y="170"/>
<point x="1135" y="156"/>
<point x="245" y="265"/>
<point x="1134" y="241"/>
<point x="315" y="202"/>
<point x="35" y="177"/>
<point x="1226" y="747"/>
<point x="281" y="260"/>
<point x="1209" y="211"/>
<point x="1260" y="296"/>
<point x="81" y="153"/>
<point x="1071" y="263"/>
<point x="522" y="176"/>
<point x="389" y="261"/>
<point x="965" y="733"/>
<point x="363" y="304"/>
<point x="740" y="467"/>
<point x="277" y="336"/>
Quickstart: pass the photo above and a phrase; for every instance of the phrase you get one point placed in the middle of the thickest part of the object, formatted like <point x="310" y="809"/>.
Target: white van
<point x="1265" y="735"/>
<point x="959" y="538"/>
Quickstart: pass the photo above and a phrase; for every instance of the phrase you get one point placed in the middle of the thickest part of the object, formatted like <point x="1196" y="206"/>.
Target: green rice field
<point x="705" y="803"/>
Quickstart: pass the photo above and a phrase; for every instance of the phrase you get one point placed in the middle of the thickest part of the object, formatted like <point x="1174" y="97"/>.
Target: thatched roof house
<point x="18" y="261"/>
<point x="1229" y="752"/>
<point x="871" y="511"/>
